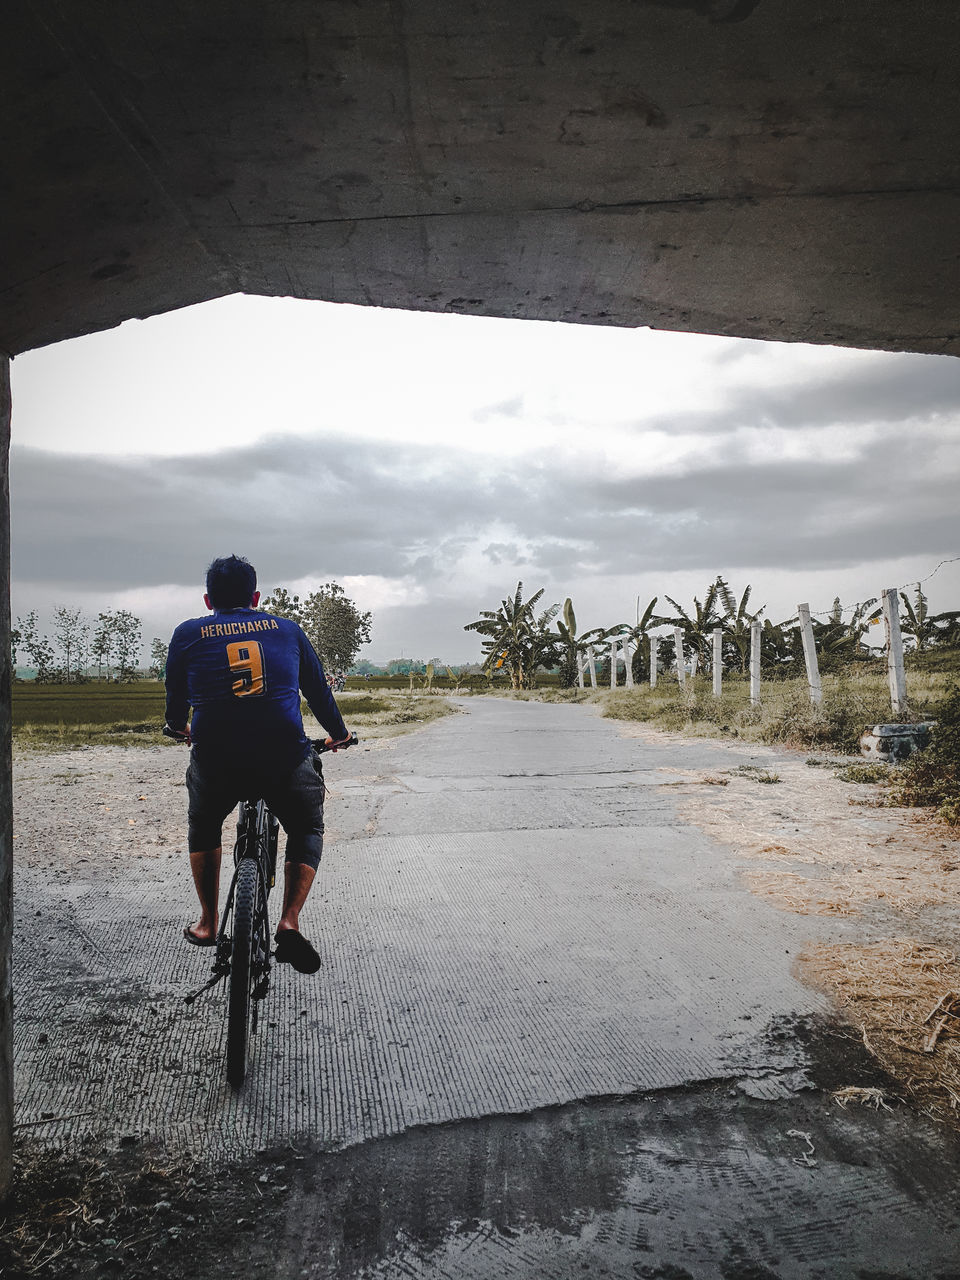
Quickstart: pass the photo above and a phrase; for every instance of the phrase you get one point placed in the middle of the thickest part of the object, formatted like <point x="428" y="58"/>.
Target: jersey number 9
<point x="246" y="663"/>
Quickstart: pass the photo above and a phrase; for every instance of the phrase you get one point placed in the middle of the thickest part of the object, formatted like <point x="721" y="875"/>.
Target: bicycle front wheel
<point x="242" y="955"/>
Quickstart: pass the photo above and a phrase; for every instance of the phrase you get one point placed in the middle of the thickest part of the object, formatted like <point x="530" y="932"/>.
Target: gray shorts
<point x="295" y="798"/>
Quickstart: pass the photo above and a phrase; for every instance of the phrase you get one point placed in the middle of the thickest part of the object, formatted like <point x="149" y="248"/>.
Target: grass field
<point x="50" y="716"/>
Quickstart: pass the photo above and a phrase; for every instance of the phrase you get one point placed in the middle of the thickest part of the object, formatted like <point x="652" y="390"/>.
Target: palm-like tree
<point x="780" y="645"/>
<point x="926" y="629"/>
<point x="698" y="625"/>
<point x="737" y="621"/>
<point x="839" y="641"/>
<point x="917" y="625"/>
<point x="948" y="627"/>
<point x="572" y="647"/>
<point x="637" y="631"/>
<point x="517" y="638"/>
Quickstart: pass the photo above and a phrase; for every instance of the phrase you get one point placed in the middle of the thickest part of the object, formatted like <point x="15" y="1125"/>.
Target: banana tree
<point x="838" y="641"/>
<point x="918" y="625"/>
<point x="571" y="671"/>
<point x="636" y="633"/>
<point x="737" y="621"/>
<point x="518" y="639"/>
<point x="948" y="628"/>
<point x="598" y="636"/>
<point x="697" y="627"/>
<point x="780" y="647"/>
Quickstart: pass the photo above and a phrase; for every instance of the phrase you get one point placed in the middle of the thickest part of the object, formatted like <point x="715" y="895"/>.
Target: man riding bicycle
<point x="242" y="672"/>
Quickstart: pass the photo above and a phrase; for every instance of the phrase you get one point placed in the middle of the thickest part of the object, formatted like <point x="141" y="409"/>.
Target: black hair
<point x="231" y="582"/>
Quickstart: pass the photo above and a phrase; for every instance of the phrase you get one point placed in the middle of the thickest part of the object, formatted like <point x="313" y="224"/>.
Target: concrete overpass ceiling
<point x="765" y="168"/>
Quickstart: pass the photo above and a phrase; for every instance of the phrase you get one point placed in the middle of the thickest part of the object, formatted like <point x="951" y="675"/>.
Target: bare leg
<point x="205" y="866"/>
<point x="297" y="879"/>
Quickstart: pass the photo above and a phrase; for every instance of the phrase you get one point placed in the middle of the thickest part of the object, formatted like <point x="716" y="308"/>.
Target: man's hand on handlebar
<point x="341" y="744"/>
<point x="179" y="735"/>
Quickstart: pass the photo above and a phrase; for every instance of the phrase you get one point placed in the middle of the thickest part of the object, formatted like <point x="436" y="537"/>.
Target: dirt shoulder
<point x="816" y="845"/>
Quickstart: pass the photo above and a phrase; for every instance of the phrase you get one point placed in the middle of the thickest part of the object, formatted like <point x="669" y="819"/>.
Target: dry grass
<point x="373" y="716"/>
<point x="784" y="715"/>
<point x="891" y="990"/>
<point x="67" y="1213"/>
<point x="805" y="897"/>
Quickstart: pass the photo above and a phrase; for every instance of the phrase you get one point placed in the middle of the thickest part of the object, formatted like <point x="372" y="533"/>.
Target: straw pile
<point x="904" y="997"/>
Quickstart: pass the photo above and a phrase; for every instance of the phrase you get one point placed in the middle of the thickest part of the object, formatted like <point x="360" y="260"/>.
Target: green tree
<point x="335" y="626"/>
<point x="404" y="666"/>
<point x="128" y="639"/>
<point x="71" y="632"/>
<point x="37" y="647"/>
<point x="518" y="639"/>
<point x="102" y="644"/>
<point x="158" y="658"/>
<point x="283" y="605"/>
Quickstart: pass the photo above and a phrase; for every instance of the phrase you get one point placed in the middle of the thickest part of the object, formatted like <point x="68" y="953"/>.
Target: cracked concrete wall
<point x="768" y="168"/>
<point x="6" y="801"/>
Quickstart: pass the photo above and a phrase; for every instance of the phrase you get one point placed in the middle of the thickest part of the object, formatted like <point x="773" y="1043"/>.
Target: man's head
<point x="231" y="584"/>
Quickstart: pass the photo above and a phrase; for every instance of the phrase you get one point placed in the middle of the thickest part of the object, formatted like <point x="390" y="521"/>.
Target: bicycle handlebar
<point x="321" y="745"/>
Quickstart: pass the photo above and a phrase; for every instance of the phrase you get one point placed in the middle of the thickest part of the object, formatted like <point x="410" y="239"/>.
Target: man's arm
<point x="320" y="699"/>
<point x="178" y="704"/>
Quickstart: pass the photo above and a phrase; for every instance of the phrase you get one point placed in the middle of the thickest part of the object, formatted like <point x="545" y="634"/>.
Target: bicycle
<point x="243" y="954"/>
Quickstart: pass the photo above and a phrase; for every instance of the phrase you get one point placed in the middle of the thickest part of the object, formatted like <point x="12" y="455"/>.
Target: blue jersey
<point x="242" y="672"/>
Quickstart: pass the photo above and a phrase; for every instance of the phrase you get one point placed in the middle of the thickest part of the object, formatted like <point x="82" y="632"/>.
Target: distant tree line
<point x="80" y="648"/>
<point x="412" y="667"/>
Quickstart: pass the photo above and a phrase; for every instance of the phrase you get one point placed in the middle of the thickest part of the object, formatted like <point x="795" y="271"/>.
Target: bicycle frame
<point x="257" y="836"/>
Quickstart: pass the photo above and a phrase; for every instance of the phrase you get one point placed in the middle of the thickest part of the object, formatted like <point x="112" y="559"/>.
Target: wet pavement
<point x="553" y="1034"/>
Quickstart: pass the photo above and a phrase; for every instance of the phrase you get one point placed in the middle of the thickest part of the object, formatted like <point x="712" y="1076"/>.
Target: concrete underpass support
<point x="6" y="798"/>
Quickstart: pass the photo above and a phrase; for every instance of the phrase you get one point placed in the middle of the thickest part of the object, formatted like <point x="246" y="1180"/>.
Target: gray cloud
<point x="303" y="507"/>
<point x="894" y="388"/>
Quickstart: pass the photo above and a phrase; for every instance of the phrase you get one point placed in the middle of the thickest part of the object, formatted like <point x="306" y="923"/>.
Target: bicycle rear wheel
<point x="246" y="899"/>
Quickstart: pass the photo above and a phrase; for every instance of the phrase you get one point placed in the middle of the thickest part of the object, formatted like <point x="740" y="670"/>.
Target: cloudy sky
<point x="429" y="462"/>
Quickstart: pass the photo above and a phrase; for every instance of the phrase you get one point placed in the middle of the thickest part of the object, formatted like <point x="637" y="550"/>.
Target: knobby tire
<point x="241" y="968"/>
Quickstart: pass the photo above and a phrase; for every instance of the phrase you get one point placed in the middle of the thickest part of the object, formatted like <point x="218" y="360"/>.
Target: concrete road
<point x="553" y="1034"/>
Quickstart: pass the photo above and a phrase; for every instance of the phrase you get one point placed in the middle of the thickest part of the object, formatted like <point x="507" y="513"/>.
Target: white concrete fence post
<point x="895" y="668"/>
<point x="755" y="662"/>
<point x="717" y="661"/>
<point x="592" y="663"/>
<point x="628" y="662"/>
<point x="614" y="651"/>
<point x="681" y="660"/>
<point x="654" y="646"/>
<point x="810" y="654"/>
<point x="580" y="683"/>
